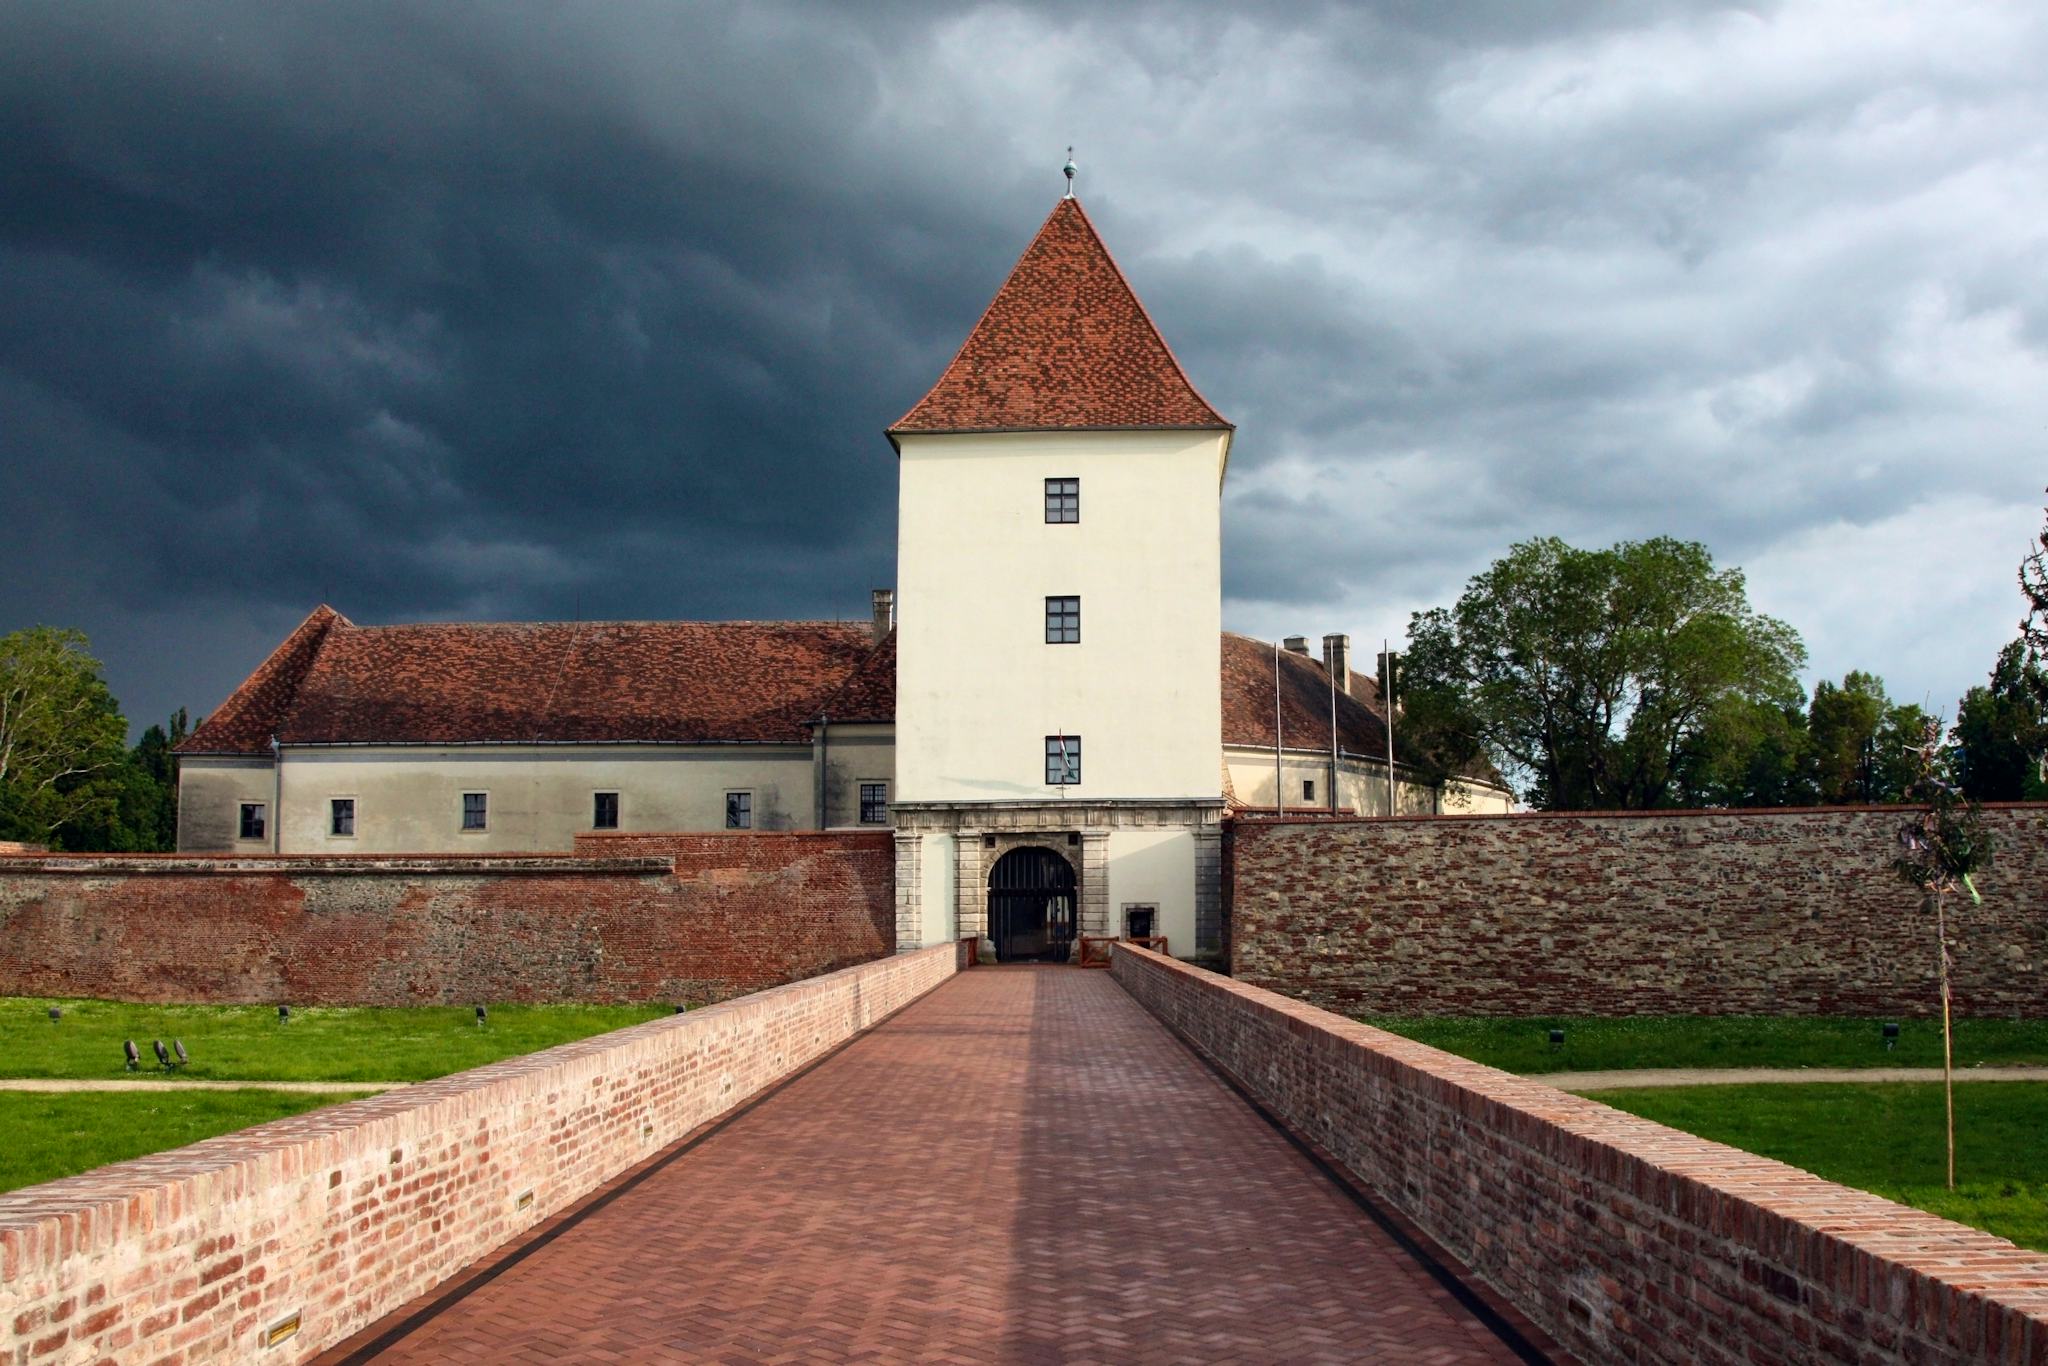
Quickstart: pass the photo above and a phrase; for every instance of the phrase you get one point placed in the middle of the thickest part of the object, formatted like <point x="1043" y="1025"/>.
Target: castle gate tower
<point x="1058" y="722"/>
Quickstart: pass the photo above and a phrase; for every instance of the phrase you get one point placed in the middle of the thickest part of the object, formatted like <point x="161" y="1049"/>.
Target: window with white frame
<point x="739" y="811"/>
<point x="252" y="825"/>
<point x="604" y="811"/>
<point x="341" y="817"/>
<point x="476" y="810"/>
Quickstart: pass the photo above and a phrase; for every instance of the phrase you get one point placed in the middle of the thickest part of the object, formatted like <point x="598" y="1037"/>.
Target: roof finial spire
<point x="1070" y="168"/>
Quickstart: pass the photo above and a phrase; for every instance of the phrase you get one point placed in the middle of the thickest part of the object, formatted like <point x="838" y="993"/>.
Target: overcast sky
<point x="510" y="311"/>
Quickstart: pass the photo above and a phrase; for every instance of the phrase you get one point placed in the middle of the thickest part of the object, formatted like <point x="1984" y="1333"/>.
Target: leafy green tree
<point x="1760" y="756"/>
<point x="1602" y="678"/>
<point x="61" y="733"/>
<point x="2001" y="731"/>
<point x="1841" y="725"/>
<point x="1862" y="745"/>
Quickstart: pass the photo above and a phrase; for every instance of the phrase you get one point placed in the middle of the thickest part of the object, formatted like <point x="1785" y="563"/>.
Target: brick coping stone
<point x="275" y="865"/>
<point x="1625" y="1239"/>
<point x="315" y="1225"/>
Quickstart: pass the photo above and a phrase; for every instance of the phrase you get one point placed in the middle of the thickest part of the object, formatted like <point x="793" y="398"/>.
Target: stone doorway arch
<point x="1033" y="911"/>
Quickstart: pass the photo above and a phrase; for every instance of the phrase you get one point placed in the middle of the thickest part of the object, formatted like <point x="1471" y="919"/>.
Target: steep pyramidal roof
<point x="1065" y="345"/>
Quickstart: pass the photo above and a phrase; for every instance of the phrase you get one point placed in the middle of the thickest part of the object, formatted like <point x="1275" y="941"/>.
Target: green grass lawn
<point x="1885" y="1138"/>
<point x="321" y="1043"/>
<point x="1522" y="1045"/>
<point x="48" y="1136"/>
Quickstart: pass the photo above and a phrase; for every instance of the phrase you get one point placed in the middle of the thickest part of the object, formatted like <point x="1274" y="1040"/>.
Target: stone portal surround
<point x="1020" y="825"/>
<point x="1624" y="1239"/>
<point x="333" y="1218"/>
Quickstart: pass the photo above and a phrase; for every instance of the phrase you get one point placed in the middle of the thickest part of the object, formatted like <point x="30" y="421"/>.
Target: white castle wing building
<point x="1041" y="729"/>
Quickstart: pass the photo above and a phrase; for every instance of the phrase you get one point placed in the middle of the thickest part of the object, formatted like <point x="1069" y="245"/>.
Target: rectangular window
<point x="1062" y="760"/>
<point x="739" y="811"/>
<point x="604" y="811"/>
<point x="1308" y="789"/>
<point x="475" y="810"/>
<point x="1062" y="621"/>
<point x="252" y="821"/>
<point x="1062" y="500"/>
<point x="341" y="817"/>
<point x="874" y="803"/>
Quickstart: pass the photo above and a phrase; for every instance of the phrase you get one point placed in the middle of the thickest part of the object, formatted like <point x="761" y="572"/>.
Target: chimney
<point x="885" y="613"/>
<point x="1337" y="661"/>
<point x="1296" y="645"/>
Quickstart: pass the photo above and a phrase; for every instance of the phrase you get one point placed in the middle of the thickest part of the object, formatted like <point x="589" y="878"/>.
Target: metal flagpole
<point x="1387" y="705"/>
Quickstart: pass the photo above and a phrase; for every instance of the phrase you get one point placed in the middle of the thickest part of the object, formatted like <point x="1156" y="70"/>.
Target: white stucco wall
<point x="855" y="755"/>
<point x="978" y="689"/>
<point x="409" y="800"/>
<point x="1155" y="867"/>
<point x="211" y="790"/>
<point x="1362" y="785"/>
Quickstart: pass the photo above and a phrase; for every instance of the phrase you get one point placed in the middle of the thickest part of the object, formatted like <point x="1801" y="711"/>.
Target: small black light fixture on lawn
<point x="1556" y="1039"/>
<point x="284" y="1014"/>
<point x="482" y="1015"/>
<point x="56" y="1014"/>
<point x="178" y="1047"/>
<point x="1891" y="1035"/>
<point x="681" y="1009"/>
<point x="133" y="1054"/>
<point x="163" y="1055"/>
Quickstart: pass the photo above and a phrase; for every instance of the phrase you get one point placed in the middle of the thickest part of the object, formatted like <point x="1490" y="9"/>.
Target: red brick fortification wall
<point x="1623" y="1239"/>
<point x="342" y="1215"/>
<point x="1663" y="913"/>
<point x="684" y="918"/>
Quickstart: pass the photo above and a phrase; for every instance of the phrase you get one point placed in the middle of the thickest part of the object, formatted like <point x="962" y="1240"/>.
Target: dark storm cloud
<point x="504" y="311"/>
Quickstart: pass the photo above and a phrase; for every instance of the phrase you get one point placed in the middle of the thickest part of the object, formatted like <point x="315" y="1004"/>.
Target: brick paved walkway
<point x="1023" y="1166"/>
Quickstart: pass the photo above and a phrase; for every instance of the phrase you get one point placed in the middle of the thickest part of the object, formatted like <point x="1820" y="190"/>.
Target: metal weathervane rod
<point x="1069" y="169"/>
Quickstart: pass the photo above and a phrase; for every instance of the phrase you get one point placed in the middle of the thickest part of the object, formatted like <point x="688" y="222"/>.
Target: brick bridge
<point x="1022" y="1165"/>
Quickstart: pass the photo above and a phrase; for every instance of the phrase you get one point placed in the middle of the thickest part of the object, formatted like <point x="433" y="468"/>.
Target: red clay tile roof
<point x="591" y="682"/>
<point x="1304" y="703"/>
<point x="1065" y="345"/>
<point x="252" y="714"/>
<point x="869" y="693"/>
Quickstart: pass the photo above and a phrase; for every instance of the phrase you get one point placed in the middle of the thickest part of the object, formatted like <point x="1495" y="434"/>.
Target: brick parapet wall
<point x="341" y="1215"/>
<point x="1710" y="912"/>
<point x="681" y="918"/>
<point x="1625" y="1240"/>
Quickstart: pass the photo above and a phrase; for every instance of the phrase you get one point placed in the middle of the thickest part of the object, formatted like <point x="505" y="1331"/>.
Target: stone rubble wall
<point x="1791" y="912"/>
<point x="1623" y="1239"/>
<point x="344" y="1214"/>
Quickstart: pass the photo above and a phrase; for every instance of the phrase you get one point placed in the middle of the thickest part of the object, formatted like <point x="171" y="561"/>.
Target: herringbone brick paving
<point x="1022" y="1166"/>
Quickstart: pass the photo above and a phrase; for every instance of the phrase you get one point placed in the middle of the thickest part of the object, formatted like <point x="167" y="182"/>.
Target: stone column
<point x="970" y="890"/>
<point x="1095" y="883"/>
<point x="909" y="891"/>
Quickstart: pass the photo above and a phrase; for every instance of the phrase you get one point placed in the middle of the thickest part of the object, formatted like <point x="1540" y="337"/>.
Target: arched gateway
<point x="1031" y="906"/>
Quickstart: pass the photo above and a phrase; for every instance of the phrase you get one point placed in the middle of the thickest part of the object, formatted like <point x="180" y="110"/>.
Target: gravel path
<point x="339" y="1088"/>
<point x="1621" y="1078"/>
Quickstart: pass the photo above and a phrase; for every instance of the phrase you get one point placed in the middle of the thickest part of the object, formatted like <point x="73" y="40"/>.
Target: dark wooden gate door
<point x="1031" y="907"/>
